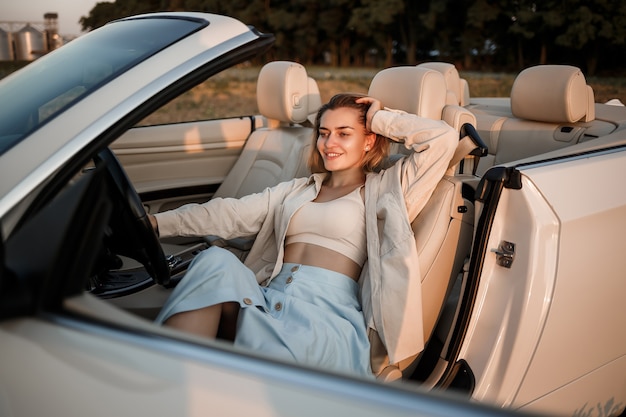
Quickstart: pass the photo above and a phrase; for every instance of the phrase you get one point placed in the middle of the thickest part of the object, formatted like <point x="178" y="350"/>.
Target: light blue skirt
<point x="307" y="314"/>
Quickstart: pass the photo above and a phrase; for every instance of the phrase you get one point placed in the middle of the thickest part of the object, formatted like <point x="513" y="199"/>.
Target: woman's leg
<point x="212" y="321"/>
<point x="228" y="323"/>
<point x="214" y="276"/>
<point x="202" y="322"/>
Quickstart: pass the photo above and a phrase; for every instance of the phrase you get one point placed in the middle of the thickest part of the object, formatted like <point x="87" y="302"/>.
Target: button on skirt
<point x="306" y="314"/>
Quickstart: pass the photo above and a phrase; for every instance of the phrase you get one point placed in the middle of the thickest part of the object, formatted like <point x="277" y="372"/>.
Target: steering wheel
<point x="132" y="234"/>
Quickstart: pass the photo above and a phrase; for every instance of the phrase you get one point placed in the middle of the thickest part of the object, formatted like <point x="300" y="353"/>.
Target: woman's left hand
<point x="375" y="105"/>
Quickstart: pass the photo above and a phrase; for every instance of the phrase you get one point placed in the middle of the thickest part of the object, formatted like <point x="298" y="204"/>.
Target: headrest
<point x="286" y="93"/>
<point x="420" y="91"/>
<point x="314" y="99"/>
<point x="458" y="91"/>
<point x="553" y="94"/>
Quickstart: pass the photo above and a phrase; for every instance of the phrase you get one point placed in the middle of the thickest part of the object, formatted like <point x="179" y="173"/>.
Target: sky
<point x="69" y="11"/>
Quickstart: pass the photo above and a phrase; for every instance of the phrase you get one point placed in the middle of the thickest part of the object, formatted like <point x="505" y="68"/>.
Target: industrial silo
<point x="51" y="30"/>
<point x="30" y="43"/>
<point x="6" y="45"/>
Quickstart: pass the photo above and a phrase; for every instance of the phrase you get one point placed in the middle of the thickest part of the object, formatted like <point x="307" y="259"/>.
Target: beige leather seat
<point x="286" y="96"/>
<point x="458" y="88"/>
<point x="551" y="107"/>
<point x="443" y="229"/>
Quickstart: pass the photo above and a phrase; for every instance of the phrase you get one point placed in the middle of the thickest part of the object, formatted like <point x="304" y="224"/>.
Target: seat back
<point x="443" y="228"/>
<point x="286" y="97"/>
<point x="551" y="107"/>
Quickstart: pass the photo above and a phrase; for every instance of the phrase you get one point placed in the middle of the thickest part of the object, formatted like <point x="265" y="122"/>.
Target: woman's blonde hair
<point x="373" y="158"/>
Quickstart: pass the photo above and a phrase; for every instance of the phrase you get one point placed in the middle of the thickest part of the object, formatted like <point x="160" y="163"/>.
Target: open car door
<point x="548" y="251"/>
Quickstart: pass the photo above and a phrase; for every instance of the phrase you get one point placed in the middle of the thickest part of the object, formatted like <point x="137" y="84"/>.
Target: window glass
<point x="46" y="87"/>
<point x="231" y="93"/>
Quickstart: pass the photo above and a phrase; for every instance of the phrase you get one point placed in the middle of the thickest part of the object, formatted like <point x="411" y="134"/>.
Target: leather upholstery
<point x="552" y="94"/>
<point x="551" y="107"/>
<point x="442" y="231"/>
<point x="415" y="90"/>
<point x="283" y="92"/>
<point x="286" y="95"/>
<point x="421" y="91"/>
<point x="458" y="89"/>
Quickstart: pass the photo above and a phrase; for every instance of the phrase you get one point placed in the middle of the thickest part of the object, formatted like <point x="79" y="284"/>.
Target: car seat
<point x="551" y="107"/>
<point x="458" y="88"/>
<point x="443" y="229"/>
<point x="287" y="97"/>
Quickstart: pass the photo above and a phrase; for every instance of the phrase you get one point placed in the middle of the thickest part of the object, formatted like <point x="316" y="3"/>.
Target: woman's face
<point x="342" y="140"/>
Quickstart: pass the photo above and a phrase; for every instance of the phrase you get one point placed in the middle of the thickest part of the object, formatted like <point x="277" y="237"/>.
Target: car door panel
<point x="567" y="222"/>
<point x="169" y="160"/>
<point x="591" y="206"/>
<point x="126" y="366"/>
<point x="504" y="317"/>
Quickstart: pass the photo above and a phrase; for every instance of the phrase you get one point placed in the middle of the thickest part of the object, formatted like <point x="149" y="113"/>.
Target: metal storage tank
<point x="51" y="29"/>
<point x="30" y="43"/>
<point x="6" y="45"/>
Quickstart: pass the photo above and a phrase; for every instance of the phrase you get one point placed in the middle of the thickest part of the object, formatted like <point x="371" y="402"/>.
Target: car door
<point x="174" y="164"/>
<point x="544" y="330"/>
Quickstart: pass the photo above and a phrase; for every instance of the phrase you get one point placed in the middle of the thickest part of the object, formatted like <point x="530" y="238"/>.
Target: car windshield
<point x="53" y="83"/>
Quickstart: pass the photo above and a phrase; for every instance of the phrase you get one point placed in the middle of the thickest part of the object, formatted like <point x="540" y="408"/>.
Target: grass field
<point x="232" y="93"/>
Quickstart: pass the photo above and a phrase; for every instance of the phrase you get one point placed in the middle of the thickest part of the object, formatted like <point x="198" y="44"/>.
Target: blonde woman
<point x="333" y="253"/>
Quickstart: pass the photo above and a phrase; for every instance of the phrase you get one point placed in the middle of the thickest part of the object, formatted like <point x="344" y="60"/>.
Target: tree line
<point x="490" y="35"/>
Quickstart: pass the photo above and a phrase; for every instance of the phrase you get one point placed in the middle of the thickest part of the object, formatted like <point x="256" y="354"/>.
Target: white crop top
<point x="338" y="225"/>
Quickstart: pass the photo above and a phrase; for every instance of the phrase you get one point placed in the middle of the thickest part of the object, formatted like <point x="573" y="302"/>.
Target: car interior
<point x="532" y="122"/>
<point x="197" y="161"/>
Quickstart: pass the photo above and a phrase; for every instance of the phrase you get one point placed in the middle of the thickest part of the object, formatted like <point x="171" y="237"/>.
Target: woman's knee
<point x="215" y="255"/>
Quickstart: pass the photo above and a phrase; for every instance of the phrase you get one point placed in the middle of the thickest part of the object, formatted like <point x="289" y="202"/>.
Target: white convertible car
<point x="521" y="245"/>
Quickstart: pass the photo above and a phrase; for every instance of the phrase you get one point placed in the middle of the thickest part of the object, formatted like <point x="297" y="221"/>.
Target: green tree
<point x="591" y="27"/>
<point x="98" y="16"/>
<point x="538" y="23"/>
<point x="486" y="34"/>
<point x="483" y="20"/>
<point x="295" y="26"/>
<point x="376" y="20"/>
<point x="412" y="35"/>
<point x="335" y="33"/>
<point x="445" y="22"/>
<point x="104" y="12"/>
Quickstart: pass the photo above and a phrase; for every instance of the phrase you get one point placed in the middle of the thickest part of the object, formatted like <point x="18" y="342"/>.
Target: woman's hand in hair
<point x="375" y="105"/>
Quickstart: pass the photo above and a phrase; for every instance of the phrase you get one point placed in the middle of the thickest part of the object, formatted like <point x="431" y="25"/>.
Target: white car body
<point x="544" y="353"/>
<point x="532" y="325"/>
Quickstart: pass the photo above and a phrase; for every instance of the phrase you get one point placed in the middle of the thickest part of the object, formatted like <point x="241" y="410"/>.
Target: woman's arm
<point x="227" y="218"/>
<point x="417" y="133"/>
<point x="433" y="143"/>
<point x="224" y="217"/>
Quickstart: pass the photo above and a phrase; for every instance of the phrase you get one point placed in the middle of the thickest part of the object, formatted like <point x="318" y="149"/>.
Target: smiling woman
<point x="351" y="135"/>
